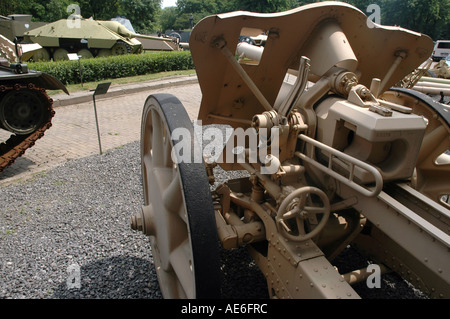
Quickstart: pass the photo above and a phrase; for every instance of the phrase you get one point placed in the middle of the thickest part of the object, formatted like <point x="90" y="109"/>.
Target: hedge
<point x="99" y="69"/>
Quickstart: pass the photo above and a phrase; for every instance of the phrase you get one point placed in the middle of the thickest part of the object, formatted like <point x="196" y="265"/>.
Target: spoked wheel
<point x="120" y="48"/>
<point x="432" y="173"/>
<point x="178" y="214"/>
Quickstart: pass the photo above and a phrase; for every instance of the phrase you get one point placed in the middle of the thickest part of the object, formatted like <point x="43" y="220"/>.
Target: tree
<point x="56" y="10"/>
<point x="202" y="8"/>
<point x="142" y="14"/>
<point x="167" y="19"/>
<point x="431" y="17"/>
<point x="262" y="6"/>
<point x="197" y="6"/>
<point x="41" y="10"/>
<point x="8" y="7"/>
<point x="99" y="10"/>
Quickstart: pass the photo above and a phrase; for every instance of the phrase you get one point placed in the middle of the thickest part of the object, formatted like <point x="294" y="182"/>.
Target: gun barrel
<point x="150" y="37"/>
<point x="247" y="50"/>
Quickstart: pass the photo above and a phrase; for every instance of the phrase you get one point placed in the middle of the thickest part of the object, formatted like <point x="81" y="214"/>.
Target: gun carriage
<point x="341" y="158"/>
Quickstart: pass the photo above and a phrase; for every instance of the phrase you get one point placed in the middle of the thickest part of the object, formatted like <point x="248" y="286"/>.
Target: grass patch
<point x="125" y="80"/>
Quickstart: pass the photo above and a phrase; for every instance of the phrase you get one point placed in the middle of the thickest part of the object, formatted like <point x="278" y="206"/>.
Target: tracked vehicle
<point x="88" y="38"/>
<point x="26" y="110"/>
<point x="333" y="155"/>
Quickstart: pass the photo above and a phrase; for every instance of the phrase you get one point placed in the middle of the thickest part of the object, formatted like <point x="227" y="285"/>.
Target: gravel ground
<point x="77" y="215"/>
<point x="76" y="218"/>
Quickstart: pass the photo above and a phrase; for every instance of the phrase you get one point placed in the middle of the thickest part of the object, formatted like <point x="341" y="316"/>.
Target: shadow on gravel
<point x="20" y="165"/>
<point x="111" y="278"/>
<point x="241" y="277"/>
<point x="391" y="285"/>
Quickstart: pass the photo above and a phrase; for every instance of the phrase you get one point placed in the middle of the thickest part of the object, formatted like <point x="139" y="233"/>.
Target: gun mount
<point x="334" y="157"/>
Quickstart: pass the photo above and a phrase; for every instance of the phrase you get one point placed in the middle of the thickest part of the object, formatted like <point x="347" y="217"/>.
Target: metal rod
<point x="81" y="72"/>
<point x="432" y="90"/>
<point x="266" y="181"/>
<point x="241" y="72"/>
<point x="434" y="84"/>
<point x="387" y="77"/>
<point x="98" y="130"/>
<point x="435" y="80"/>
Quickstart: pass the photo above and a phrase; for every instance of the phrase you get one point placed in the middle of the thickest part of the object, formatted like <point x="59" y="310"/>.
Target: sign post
<point x="102" y="88"/>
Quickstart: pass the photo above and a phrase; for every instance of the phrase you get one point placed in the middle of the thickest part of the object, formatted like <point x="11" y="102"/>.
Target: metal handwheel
<point x="178" y="214"/>
<point x="299" y="207"/>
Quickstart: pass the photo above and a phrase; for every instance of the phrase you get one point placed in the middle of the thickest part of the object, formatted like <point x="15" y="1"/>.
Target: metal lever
<point x="222" y="45"/>
<point x="297" y="89"/>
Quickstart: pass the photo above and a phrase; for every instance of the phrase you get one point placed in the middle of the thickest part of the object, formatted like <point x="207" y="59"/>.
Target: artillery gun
<point x="334" y="157"/>
<point x="88" y="38"/>
<point x="26" y="110"/>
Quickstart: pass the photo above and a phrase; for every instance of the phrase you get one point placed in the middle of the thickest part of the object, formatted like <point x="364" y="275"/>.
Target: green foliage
<point x="99" y="10"/>
<point x="262" y="6"/>
<point x="431" y="17"/>
<point x="167" y="19"/>
<point x="141" y="13"/>
<point x="56" y="9"/>
<point x="177" y="18"/>
<point x="98" y="69"/>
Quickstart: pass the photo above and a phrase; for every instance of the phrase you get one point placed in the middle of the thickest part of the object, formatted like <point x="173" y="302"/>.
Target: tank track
<point x="16" y="145"/>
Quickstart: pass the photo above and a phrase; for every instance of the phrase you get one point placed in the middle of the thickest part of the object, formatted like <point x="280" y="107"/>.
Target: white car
<point x="441" y="50"/>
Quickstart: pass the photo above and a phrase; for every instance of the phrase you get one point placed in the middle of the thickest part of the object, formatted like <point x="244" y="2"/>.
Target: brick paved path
<point x="74" y="133"/>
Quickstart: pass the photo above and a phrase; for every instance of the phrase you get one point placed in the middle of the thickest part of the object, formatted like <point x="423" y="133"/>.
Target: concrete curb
<point x="62" y="99"/>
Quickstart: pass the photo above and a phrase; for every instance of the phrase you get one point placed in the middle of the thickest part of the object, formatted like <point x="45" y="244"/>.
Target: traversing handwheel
<point x="299" y="206"/>
<point x="178" y="214"/>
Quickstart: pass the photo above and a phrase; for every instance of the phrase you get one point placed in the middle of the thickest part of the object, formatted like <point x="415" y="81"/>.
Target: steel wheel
<point x="432" y="173"/>
<point x="22" y="112"/>
<point x="104" y="52"/>
<point x="85" y="54"/>
<point x="178" y="214"/>
<point x="60" y="54"/>
<point x="41" y="55"/>
<point x="120" y="48"/>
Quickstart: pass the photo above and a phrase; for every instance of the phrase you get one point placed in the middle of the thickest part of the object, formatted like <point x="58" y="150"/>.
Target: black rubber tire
<point x="197" y="198"/>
